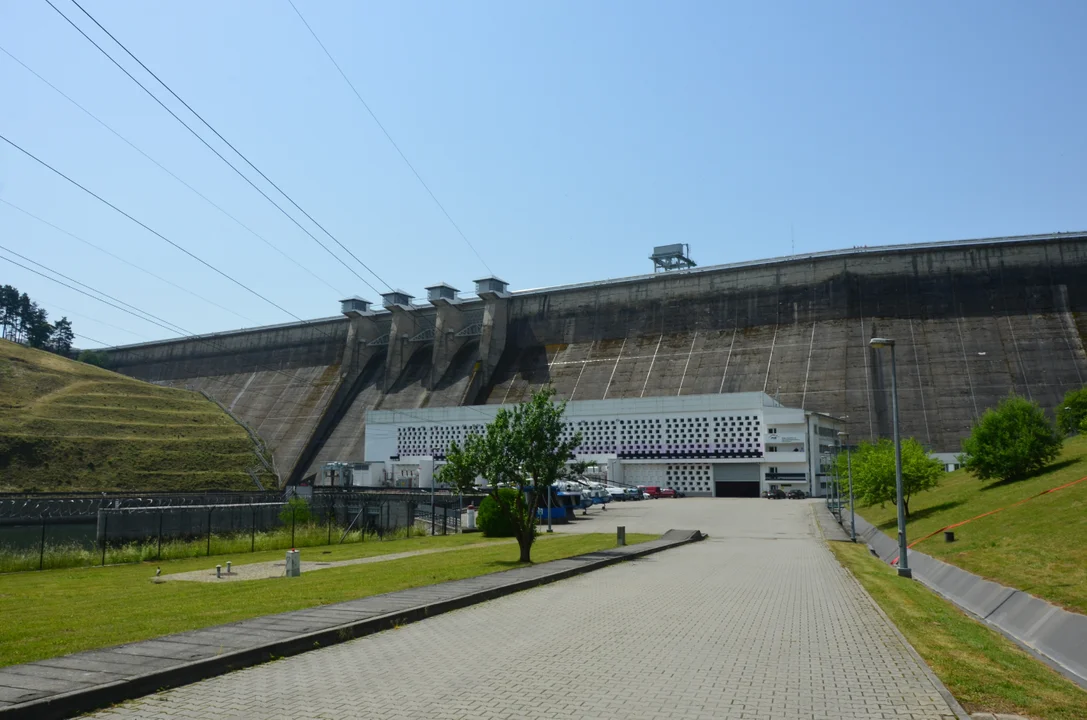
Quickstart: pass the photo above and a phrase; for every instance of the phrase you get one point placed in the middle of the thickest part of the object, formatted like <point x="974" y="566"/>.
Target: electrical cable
<point x="227" y="142"/>
<point x="389" y="137"/>
<point x="149" y="229"/>
<point x="199" y="194"/>
<point x="126" y="262"/>
<point x="175" y="328"/>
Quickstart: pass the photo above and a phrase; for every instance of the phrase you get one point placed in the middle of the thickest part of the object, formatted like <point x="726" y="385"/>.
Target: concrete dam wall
<point x="974" y="321"/>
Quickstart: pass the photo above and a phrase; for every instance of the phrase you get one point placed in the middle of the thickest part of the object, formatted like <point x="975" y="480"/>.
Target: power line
<point x="389" y="137"/>
<point x="199" y="194"/>
<point x="126" y="262"/>
<point x="147" y="228"/>
<point x="228" y="143"/>
<point x="73" y="313"/>
<point x="174" y="328"/>
<point x="82" y="292"/>
<point x="134" y="312"/>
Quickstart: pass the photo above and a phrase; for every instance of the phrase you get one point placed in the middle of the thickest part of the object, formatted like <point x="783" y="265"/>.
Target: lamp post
<point x="844" y="437"/>
<point x="903" y="562"/>
<point x="549" y="509"/>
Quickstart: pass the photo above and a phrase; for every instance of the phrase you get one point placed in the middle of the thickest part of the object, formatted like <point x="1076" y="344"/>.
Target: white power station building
<point x="723" y="445"/>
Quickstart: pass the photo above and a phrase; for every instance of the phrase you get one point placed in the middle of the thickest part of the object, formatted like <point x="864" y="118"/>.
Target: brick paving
<point x="759" y="621"/>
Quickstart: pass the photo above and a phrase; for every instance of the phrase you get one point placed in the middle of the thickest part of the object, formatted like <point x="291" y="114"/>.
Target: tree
<point x="520" y="449"/>
<point x="61" y="341"/>
<point x="873" y="467"/>
<point x="1072" y="412"/>
<point x="94" y="357"/>
<point x="1010" y="441"/>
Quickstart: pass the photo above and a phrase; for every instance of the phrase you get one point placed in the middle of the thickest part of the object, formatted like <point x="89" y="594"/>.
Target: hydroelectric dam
<point x="973" y="321"/>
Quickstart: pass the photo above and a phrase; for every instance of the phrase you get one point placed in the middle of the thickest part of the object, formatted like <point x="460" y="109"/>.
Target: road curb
<point x="69" y="704"/>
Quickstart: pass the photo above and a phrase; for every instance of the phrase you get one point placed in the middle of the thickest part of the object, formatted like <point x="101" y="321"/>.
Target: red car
<point x="667" y="493"/>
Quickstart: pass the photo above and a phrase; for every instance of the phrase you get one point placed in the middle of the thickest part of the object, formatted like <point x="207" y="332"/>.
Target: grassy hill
<point x="1039" y="547"/>
<point x="68" y="426"/>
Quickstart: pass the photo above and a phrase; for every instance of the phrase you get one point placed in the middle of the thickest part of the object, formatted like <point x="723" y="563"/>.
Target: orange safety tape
<point x="993" y="512"/>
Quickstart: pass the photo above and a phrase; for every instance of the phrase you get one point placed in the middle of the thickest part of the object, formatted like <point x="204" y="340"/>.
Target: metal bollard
<point x="621" y="535"/>
<point x="218" y="571"/>
<point x="949" y="536"/>
<point x="227" y="567"/>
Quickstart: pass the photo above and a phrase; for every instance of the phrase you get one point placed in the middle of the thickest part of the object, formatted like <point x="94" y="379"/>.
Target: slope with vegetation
<point x="69" y="426"/>
<point x="1039" y="546"/>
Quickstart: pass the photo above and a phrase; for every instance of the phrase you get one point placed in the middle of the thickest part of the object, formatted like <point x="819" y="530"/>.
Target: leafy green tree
<point x="1010" y="441"/>
<point x="1072" y="412"/>
<point x="61" y="341"/>
<point x="94" y="357"/>
<point x="521" y="449"/>
<point x="873" y="466"/>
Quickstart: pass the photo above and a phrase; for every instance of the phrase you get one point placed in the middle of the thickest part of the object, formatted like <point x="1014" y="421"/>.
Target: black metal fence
<point x="42" y="532"/>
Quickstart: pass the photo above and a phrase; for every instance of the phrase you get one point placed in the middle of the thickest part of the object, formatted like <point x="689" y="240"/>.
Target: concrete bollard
<point x="227" y="567"/>
<point x="949" y="536"/>
<point x="218" y="571"/>
<point x="470" y="522"/>
<point x="294" y="563"/>
<point x="621" y="535"/>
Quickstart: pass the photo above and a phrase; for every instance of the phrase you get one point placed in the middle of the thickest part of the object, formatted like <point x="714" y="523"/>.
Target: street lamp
<point x="903" y="563"/>
<point x="844" y="437"/>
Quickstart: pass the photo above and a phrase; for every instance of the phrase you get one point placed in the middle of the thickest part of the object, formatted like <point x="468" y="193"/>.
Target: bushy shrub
<point x="1010" y="442"/>
<point x="297" y="508"/>
<point x="491" y="520"/>
<point x="1072" y="412"/>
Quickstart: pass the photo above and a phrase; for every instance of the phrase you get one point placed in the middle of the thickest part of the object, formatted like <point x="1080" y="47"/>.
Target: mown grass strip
<point x="1039" y="547"/>
<point x="985" y="671"/>
<point x="66" y="611"/>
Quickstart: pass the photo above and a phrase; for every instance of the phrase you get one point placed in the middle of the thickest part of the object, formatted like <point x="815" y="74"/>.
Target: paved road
<point x="759" y="621"/>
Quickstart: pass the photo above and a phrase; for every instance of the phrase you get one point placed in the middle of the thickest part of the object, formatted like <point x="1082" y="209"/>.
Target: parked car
<point x="775" y="494"/>
<point x="667" y="493"/>
<point x="633" y="494"/>
<point x="797" y="494"/>
<point x="652" y="491"/>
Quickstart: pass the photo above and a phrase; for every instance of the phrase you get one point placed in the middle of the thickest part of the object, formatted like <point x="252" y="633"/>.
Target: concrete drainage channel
<point x="1055" y="636"/>
<point x="72" y="684"/>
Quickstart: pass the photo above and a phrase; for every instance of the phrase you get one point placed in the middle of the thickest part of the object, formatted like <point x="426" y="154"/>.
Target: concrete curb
<point x="1051" y="634"/>
<point x="69" y="704"/>
<point x="940" y="687"/>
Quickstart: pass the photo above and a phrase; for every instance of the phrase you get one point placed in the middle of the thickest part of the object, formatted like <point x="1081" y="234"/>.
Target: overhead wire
<point x="126" y="262"/>
<point x="389" y="137"/>
<point x="166" y="170"/>
<point x="148" y="228"/>
<point x="224" y="140"/>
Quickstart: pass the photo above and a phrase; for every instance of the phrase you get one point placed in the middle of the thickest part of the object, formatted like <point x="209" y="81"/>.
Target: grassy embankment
<point x="985" y="671"/>
<point x="68" y="426"/>
<point x="1039" y="547"/>
<point x="66" y="611"/>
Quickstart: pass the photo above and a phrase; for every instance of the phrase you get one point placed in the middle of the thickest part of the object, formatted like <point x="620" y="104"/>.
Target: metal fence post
<point x="253" y="528"/>
<point x="445" y="520"/>
<point x="292" y="524"/>
<point x="105" y="535"/>
<point x="209" y="531"/>
<point x="41" y="553"/>
<point x="329" y="524"/>
<point x="158" y="555"/>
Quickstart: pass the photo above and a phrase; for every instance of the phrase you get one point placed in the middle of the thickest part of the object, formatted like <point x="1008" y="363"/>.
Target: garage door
<point x="736" y="479"/>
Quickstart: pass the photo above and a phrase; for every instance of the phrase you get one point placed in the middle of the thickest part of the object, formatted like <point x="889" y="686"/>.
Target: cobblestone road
<point x="759" y="621"/>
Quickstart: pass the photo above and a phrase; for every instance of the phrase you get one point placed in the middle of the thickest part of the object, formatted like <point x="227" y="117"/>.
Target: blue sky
<point x="565" y="138"/>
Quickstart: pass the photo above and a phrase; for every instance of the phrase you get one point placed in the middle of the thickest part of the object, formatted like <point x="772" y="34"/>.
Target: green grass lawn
<point x="1039" y="547"/>
<point x="65" y="611"/>
<point x="66" y="425"/>
<point x="985" y="671"/>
